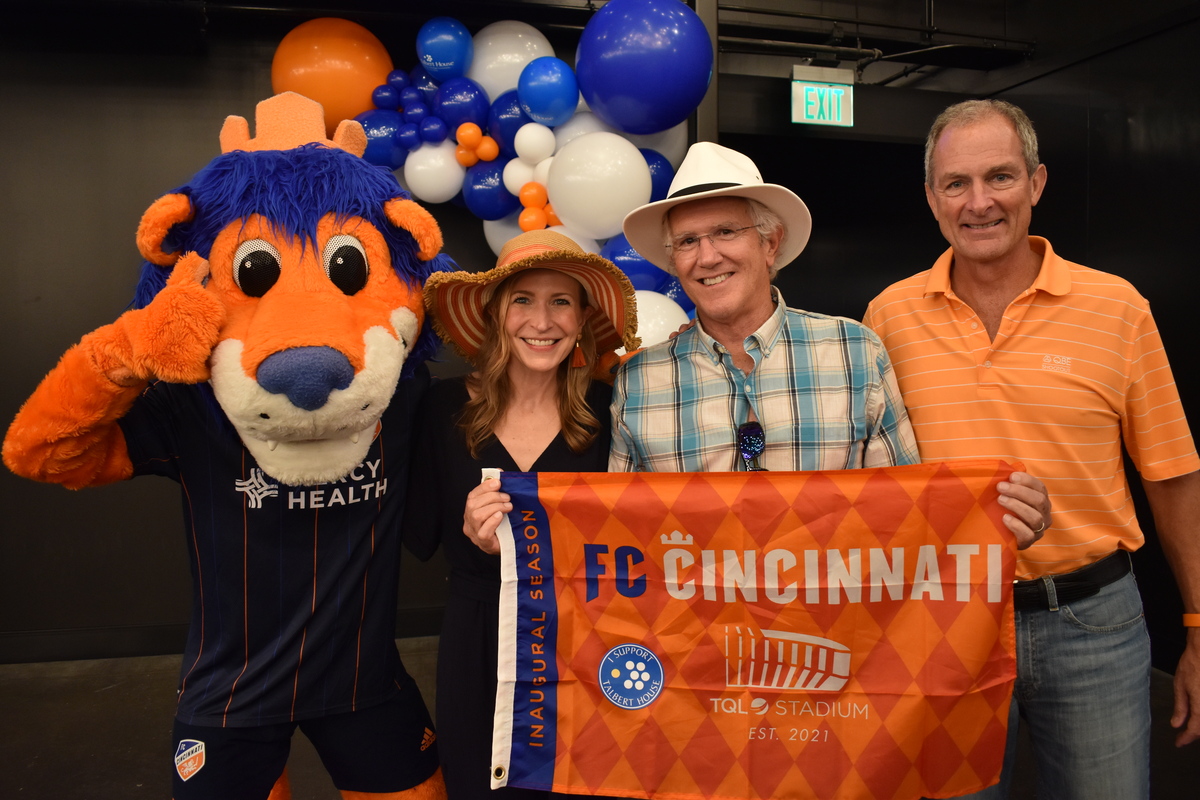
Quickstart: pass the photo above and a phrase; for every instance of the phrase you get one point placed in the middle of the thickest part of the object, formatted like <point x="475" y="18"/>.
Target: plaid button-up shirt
<point x="822" y="388"/>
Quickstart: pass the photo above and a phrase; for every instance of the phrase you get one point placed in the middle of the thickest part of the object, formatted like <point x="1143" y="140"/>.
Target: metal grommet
<point x="498" y="773"/>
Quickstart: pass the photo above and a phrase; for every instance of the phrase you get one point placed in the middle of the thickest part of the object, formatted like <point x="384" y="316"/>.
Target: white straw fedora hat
<point x="710" y="170"/>
<point x="456" y="300"/>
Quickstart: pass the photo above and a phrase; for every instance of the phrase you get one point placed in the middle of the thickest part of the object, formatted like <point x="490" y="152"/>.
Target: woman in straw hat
<point x="532" y="327"/>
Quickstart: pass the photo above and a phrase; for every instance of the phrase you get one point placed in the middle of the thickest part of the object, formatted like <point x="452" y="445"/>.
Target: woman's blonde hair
<point x="492" y="387"/>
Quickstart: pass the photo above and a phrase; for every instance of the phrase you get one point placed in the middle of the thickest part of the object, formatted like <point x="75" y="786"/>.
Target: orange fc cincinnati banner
<point x="755" y="634"/>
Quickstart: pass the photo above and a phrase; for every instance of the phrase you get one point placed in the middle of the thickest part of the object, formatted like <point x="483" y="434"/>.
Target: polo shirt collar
<point x="1054" y="277"/>
<point x="765" y="337"/>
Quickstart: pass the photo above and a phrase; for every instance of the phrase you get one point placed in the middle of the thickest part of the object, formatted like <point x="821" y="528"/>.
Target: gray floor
<point x="100" y="730"/>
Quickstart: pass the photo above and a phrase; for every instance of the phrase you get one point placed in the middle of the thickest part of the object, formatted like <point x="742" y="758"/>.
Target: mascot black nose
<point x="305" y="374"/>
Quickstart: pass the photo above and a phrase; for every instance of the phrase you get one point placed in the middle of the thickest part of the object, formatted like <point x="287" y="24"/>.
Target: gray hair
<point x="972" y="111"/>
<point x="762" y="218"/>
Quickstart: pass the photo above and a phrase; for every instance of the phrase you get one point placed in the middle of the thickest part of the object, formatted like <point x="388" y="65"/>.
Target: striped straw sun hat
<point x="455" y="300"/>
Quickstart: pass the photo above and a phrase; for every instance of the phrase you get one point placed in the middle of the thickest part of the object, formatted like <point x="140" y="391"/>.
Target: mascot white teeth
<point x="271" y="365"/>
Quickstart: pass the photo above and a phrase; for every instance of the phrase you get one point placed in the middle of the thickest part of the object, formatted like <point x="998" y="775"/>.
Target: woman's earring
<point x="578" y="359"/>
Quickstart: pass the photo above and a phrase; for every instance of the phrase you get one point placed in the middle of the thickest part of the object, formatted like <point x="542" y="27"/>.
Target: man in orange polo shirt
<point x="1004" y="349"/>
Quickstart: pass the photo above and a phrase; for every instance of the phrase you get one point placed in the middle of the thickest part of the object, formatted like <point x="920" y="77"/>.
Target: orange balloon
<point x="533" y="195"/>
<point x="532" y="219"/>
<point x="487" y="149"/>
<point x="551" y="218"/>
<point x="469" y="135"/>
<point x="466" y="156"/>
<point x="334" y="61"/>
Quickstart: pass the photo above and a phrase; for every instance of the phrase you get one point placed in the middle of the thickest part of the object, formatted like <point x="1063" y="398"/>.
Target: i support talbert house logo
<point x="365" y="482"/>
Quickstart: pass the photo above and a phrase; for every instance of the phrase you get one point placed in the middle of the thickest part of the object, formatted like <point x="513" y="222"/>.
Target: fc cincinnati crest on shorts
<point x="630" y="676"/>
<point x="189" y="758"/>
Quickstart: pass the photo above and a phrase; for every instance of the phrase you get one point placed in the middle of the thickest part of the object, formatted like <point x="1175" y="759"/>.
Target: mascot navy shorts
<point x="388" y="747"/>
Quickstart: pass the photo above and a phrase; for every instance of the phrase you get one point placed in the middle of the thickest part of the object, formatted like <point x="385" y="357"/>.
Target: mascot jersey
<point x="294" y="587"/>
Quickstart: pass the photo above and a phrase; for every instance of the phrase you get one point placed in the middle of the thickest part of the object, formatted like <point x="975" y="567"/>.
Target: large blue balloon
<point x="460" y="100"/>
<point x="661" y="173"/>
<point x="548" y="90"/>
<point x="674" y="290"/>
<point x="383" y="148"/>
<point x="504" y="120"/>
<point x="423" y="82"/>
<point x="445" y="48"/>
<point x="644" y="65"/>
<point x="641" y="273"/>
<point x="484" y="193"/>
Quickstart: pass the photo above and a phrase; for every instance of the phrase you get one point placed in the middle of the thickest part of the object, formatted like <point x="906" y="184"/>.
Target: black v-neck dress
<point x="442" y="473"/>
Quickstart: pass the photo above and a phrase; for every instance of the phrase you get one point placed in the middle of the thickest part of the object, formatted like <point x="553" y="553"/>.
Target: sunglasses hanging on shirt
<point x="751" y="443"/>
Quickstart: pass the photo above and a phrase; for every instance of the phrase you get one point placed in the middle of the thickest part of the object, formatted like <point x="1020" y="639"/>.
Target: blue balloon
<point x="548" y="91"/>
<point x="398" y="79"/>
<point x="424" y="83"/>
<point x="484" y="193"/>
<point x="409" y="136"/>
<point x="641" y="273"/>
<point x="410" y="95"/>
<point x="383" y="149"/>
<point x="386" y="96"/>
<point x="415" y="112"/>
<point x="433" y="130"/>
<point x="504" y="120"/>
<point x="661" y="173"/>
<point x="674" y="290"/>
<point x="460" y="100"/>
<point x="644" y="65"/>
<point x="445" y="48"/>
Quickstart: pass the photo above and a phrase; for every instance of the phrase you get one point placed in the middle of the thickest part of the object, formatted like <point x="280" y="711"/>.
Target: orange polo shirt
<point x="1077" y="368"/>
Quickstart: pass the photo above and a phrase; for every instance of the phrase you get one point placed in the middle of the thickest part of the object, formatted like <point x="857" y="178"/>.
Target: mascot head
<point x="318" y="258"/>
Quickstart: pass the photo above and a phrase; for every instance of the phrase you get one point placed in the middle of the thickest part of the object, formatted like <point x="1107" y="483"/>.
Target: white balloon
<point x="533" y="142"/>
<point x="516" y="174"/>
<point x="432" y="172"/>
<point x="586" y="243"/>
<point x="582" y="122"/>
<point x="672" y="143"/>
<point x="541" y="173"/>
<point x="499" y="231"/>
<point x="502" y="50"/>
<point x="658" y="316"/>
<point x="595" y="181"/>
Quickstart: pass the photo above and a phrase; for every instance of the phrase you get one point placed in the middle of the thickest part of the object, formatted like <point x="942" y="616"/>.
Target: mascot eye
<point x="256" y="267"/>
<point x="346" y="263"/>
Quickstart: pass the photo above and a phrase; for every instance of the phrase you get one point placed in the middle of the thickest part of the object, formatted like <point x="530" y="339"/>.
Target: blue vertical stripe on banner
<point x="535" y="700"/>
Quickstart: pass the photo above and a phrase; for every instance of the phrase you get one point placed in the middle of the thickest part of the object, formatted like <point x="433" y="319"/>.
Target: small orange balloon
<point x="533" y="195"/>
<point x="532" y="219"/>
<point x="551" y="218"/>
<point x="466" y="156"/>
<point x="487" y="150"/>
<point x="334" y="61"/>
<point x="469" y="135"/>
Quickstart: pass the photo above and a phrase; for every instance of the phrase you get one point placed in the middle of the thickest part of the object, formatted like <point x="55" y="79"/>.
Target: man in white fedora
<point x="755" y="384"/>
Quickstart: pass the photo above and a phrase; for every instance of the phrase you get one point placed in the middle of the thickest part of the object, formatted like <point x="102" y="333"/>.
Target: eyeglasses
<point x="751" y="444"/>
<point x="718" y="237"/>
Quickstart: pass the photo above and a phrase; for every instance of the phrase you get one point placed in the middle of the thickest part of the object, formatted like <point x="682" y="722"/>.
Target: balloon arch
<point x="523" y="140"/>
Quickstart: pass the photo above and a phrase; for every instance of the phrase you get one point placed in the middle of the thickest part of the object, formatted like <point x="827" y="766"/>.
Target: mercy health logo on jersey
<point x="257" y="488"/>
<point x="364" y="483"/>
<point x="630" y="676"/>
<point x="189" y="758"/>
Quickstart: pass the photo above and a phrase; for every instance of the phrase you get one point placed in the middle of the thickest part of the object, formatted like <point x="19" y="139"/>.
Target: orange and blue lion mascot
<point x="271" y="365"/>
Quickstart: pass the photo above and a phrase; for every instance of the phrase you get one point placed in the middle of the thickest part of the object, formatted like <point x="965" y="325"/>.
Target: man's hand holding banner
<point x="756" y="634"/>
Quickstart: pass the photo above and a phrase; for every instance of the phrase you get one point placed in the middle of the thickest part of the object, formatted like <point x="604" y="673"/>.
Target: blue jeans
<point x="1083" y="691"/>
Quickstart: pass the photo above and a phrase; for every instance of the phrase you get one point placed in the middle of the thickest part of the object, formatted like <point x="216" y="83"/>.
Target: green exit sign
<point x="823" y="96"/>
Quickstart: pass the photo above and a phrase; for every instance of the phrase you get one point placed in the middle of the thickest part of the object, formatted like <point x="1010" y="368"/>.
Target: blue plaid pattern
<point x="822" y="388"/>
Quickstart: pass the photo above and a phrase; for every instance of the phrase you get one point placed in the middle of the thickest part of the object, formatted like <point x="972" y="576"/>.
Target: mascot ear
<point x="163" y="214"/>
<point x="420" y="223"/>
